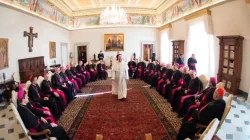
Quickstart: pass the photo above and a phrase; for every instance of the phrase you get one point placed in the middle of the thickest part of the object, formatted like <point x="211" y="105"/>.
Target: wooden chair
<point x="226" y="111"/>
<point x="99" y="137"/>
<point x="209" y="132"/>
<point x="14" y="128"/>
<point x="148" y="136"/>
<point x="27" y="84"/>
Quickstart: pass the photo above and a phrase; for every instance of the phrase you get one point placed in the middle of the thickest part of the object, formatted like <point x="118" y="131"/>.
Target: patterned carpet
<point x="145" y="111"/>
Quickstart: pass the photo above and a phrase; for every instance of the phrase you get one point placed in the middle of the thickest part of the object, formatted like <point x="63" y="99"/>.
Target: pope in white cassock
<point x="119" y="77"/>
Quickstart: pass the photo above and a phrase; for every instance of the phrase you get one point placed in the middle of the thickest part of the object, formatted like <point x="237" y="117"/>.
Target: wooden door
<point x="147" y="51"/>
<point x="82" y="53"/>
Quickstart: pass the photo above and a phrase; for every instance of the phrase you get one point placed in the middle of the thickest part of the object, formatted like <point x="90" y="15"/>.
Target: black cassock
<point x="33" y="123"/>
<point x="208" y="97"/>
<point x="102" y="74"/>
<point x="100" y="56"/>
<point x="191" y="63"/>
<point x="141" y="66"/>
<point x="168" y="76"/>
<point x="174" y="81"/>
<point x="71" y="76"/>
<point x="204" y="116"/>
<point x="81" y="70"/>
<point x="194" y="86"/>
<point x="131" y="69"/>
<point x="58" y="82"/>
<point x="204" y="98"/>
<point x="180" y="61"/>
<point x="150" y="68"/>
<point x="54" y="104"/>
<point x="91" y="69"/>
<point x="74" y="71"/>
<point x="153" y="78"/>
<point x="70" y="85"/>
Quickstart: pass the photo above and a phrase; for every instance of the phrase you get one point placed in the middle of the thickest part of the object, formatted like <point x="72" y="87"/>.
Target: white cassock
<point x="120" y="75"/>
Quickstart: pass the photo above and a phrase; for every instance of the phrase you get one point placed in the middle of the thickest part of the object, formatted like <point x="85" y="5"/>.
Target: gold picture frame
<point x="4" y="54"/>
<point x="52" y="50"/>
<point x="114" y="42"/>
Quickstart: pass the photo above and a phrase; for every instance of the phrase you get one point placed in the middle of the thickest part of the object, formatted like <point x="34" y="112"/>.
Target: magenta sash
<point x="173" y="92"/>
<point x="51" y="118"/>
<point x="181" y="65"/>
<point x="164" y="89"/>
<point x="61" y="93"/>
<point x="159" y="84"/>
<point x="76" y="84"/>
<point x="185" y="97"/>
<point x="79" y="80"/>
<point x="192" y="107"/>
<point x="192" y="64"/>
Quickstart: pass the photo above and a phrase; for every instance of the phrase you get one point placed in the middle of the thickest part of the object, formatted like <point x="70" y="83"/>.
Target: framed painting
<point x="4" y="59"/>
<point x="52" y="50"/>
<point x="114" y="42"/>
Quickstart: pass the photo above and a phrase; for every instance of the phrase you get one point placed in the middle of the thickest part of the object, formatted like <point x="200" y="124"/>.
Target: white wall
<point x="14" y="23"/>
<point x="231" y="18"/>
<point x="95" y="39"/>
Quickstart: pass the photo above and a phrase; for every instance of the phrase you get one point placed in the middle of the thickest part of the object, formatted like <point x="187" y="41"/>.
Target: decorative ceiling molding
<point x="62" y="6"/>
<point x="165" y="5"/>
<point x="97" y="11"/>
<point x="197" y="14"/>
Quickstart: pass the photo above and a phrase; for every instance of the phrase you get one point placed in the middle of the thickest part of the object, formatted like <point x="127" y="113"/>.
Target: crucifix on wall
<point x="30" y="35"/>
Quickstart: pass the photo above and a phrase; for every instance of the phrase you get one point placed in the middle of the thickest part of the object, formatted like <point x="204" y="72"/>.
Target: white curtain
<point x="201" y="43"/>
<point x="165" y="46"/>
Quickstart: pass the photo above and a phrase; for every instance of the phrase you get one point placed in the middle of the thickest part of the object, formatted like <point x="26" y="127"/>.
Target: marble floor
<point x="237" y="122"/>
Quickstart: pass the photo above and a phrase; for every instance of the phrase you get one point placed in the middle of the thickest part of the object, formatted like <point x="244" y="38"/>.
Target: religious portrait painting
<point x="114" y="42"/>
<point x="4" y="62"/>
<point x="52" y="50"/>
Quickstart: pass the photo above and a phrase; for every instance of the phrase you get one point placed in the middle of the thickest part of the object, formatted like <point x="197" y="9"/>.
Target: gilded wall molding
<point x="197" y="14"/>
<point x="165" y="27"/>
<point x="247" y="1"/>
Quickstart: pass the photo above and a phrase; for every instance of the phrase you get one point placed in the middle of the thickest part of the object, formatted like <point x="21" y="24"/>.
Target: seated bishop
<point x="36" y="108"/>
<point x="47" y="88"/>
<point x="102" y="74"/>
<point x="58" y="83"/>
<point x="36" y="95"/>
<point x="131" y="68"/>
<point x="203" y="116"/>
<point x="77" y="74"/>
<point x="71" y="76"/>
<point x="91" y="69"/>
<point x="35" y="124"/>
<point x="81" y="70"/>
<point x="71" y="82"/>
<point x="140" y="68"/>
<point x="149" y="69"/>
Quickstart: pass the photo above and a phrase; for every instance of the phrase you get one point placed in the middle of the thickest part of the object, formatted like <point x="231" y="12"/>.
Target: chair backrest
<point x="13" y="127"/>
<point x="50" y="75"/>
<point x="40" y="80"/>
<point x="148" y="136"/>
<point x="204" y="81"/>
<point x="226" y="111"/>
<point x="99" y="137"/>
<point x="210" y="130"/>
<point x="220" y="84"/>
<point x="14" y="97"/>
<point x="27" y="84"/>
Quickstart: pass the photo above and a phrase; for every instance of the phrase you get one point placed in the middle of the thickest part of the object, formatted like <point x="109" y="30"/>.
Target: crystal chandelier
<point x="113" y="15"/>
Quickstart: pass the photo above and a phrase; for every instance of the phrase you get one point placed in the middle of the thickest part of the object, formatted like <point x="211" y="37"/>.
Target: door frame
<point x="149" y="42"/>
<point x="67" y="51"/>
<point x="76" y="50"/>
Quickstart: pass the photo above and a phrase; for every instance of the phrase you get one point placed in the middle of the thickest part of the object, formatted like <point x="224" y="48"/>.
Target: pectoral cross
<point x="30" y="35"/>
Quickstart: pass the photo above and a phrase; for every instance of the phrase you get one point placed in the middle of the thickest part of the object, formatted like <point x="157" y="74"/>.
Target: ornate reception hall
<point x="186" y="69"/>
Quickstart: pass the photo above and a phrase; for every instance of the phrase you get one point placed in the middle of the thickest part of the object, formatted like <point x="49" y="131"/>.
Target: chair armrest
<point x="44" y="132"/>
<point x="201" y="126"/>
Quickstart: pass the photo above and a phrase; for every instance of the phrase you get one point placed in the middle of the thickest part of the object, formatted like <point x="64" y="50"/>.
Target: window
<point x="200" y="43"/>
<point x="165" y="47"/>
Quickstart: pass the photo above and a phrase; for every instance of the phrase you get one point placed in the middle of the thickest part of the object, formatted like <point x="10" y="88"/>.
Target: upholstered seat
<point x="27" y="84"/>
